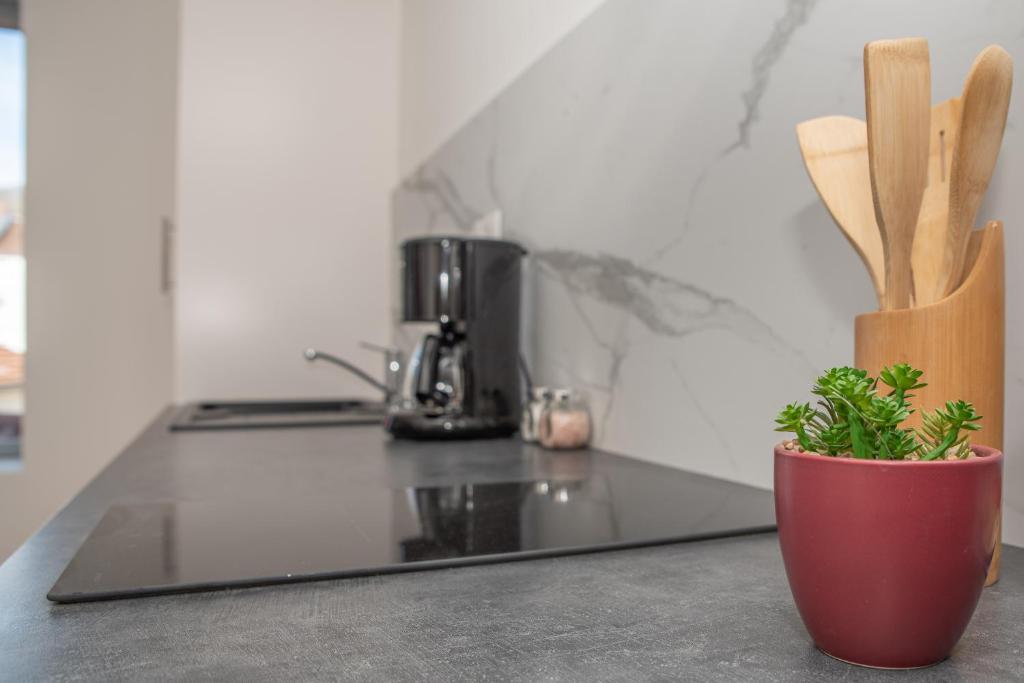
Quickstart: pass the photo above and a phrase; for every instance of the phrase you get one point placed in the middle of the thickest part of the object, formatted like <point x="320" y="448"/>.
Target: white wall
<point x="287" y="155"/>
<point x="458" y="54"/>
<point x="102" y="78"/>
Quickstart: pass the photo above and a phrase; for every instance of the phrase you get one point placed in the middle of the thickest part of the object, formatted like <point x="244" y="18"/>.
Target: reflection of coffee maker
<point x="462" y="380"/>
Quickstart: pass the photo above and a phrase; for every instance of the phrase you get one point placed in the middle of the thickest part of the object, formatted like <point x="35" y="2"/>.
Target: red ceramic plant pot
<point x="887" y="559"/>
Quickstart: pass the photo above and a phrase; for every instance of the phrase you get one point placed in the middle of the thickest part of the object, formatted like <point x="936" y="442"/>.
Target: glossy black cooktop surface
<point x="588" y="503"/>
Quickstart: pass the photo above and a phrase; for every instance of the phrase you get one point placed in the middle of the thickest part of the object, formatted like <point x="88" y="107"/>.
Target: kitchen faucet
<point x="392" y="368"/>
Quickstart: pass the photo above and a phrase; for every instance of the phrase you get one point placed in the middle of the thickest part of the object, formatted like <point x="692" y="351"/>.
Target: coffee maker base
<point x="428" y="427"/>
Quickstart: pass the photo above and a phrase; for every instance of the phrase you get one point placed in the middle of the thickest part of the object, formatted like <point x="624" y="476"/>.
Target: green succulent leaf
<point x="942" y="429"/>
<point x="887" y="411"/>
<point x="901" y="378"/>
<point x="794" y="418"/>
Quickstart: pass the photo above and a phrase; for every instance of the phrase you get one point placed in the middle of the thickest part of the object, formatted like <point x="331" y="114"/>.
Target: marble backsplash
<point x="682" y="269"/>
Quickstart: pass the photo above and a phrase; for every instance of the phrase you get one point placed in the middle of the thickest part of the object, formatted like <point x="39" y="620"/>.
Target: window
<point x="12" y="231"/>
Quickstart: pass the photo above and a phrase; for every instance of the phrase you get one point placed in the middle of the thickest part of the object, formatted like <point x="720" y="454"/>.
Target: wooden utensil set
<point x="906" y="186"/>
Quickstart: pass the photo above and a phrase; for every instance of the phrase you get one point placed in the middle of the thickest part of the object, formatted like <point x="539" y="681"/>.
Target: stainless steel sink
<point x="277" y="414"/>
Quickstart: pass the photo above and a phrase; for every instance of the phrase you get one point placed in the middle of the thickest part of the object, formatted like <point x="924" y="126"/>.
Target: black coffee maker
<point x="462" y="380"/>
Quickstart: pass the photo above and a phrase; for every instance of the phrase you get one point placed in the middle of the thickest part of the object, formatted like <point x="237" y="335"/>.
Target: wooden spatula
<point x="897" y="86"/>
<point x="984" y="102"/>
<point x="835" y="152"/>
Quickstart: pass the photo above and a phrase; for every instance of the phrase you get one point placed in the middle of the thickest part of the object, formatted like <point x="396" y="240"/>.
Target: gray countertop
<point x="710" y="610"/>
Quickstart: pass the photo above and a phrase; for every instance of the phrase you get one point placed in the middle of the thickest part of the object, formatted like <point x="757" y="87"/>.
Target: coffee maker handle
<point x="426" y="367"/>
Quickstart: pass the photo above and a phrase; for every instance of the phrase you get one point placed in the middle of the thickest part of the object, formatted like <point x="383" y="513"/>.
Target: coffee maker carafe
<point x="462" y="380"/>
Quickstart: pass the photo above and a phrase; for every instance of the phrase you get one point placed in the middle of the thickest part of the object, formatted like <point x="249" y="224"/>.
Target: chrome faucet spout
<point x="313" y="354"/>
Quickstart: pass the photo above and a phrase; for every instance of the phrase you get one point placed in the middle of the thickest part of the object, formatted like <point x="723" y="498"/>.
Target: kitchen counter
<point x="709" y="610"/>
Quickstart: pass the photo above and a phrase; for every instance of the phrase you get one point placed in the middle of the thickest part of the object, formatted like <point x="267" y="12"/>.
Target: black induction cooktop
<point x="612" y="502"/>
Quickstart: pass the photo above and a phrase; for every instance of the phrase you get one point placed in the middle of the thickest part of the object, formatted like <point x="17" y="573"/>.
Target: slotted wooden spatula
<point x="897" y="87"/>
<point x="933" y="220"/>
<point x="984" y="104"/>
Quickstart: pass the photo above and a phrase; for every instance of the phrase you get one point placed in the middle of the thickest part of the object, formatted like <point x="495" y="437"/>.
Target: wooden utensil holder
<point x="959" y="343"/>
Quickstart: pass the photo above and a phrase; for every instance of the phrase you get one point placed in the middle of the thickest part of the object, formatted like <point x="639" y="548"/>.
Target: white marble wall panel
<point x="681" y="267"/>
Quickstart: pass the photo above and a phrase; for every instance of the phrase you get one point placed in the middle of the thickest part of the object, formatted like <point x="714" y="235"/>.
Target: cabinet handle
<point x="166" y="255"/>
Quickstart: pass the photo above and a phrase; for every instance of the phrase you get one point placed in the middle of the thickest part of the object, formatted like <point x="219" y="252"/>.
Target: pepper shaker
<point x="540" y="398"/>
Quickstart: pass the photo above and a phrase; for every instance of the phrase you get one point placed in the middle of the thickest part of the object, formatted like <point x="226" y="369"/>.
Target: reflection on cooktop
<point x="153" y="548"/>
<point x="471" y="520"/>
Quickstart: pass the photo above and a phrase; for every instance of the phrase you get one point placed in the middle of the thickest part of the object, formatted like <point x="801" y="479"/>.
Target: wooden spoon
<point x="835" y="154"/>
<point x="897" y="87"/>
<point x="985" y="101"/>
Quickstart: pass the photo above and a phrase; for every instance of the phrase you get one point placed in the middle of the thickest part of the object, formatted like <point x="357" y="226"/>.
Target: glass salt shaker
<point x="540" y="398"/>
<point x="566" y="421"/>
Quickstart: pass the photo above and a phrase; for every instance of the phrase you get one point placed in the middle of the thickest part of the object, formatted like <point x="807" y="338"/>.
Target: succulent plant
<point x="854" y="417"/>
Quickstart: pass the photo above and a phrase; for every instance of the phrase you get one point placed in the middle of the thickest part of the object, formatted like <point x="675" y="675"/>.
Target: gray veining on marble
<point x="682" y="269"/>
<point x="797" y="13"/>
